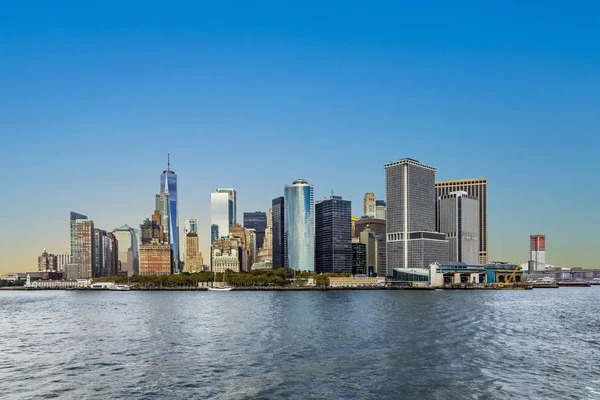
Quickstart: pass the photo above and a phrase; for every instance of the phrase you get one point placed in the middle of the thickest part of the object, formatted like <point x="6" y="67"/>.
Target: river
<point x="536" y="344"/>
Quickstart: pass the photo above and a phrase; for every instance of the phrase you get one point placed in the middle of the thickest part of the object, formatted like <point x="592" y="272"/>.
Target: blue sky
<point x="252" y="96"/>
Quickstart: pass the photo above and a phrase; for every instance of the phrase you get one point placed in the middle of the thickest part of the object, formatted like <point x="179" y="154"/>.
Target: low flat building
<point x="439" y="274"/>
<point x="352" y="281"/>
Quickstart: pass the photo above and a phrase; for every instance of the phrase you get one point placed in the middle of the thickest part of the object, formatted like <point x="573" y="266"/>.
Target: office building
<point x="62" y="260"/>
<point x="300" y="225"/>
<point x="225" y="255"/>
<point x="458" y="218"/>
<point x="152" y="229"/>
<point x="155" y="259"/>
<point x="232" y="204"/>
<point x="82" y="247"/>
<point x="369" y="205"/>
<point x="100" y="250"/>
<point x="128" y="255"/>
<point x="278" y="243"/>
<point x="474" y="187"/>
<point x="163" y="206"/>
<point x="359" y="259"/>
<point x="193" y="256"/>
<point x="265" y="253"/>
<point x="220" y="213"/>
<point x="214" y="232"/>
<point x="47" y="262"/>
<point x="380" y="209"/>
<point x="412" y="241"/>
<point x="245" y="238"/>
<point x="369" y="239"/>
<point x="537" y="251"/>
<point x="168" y="185"/>
<point x="333" y="235"/>
<point x="256" y="220"/>
<point x="191" y="226"/>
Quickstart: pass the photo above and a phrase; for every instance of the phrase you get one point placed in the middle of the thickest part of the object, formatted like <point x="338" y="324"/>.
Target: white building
<point x="219" y="212"/>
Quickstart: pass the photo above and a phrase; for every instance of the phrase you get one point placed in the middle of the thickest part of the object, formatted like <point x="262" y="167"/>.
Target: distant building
<point x="129" y="258"/>
<point x="162" y="206"/>
<point x="226" y="255"/>
<point x="369" y="239"/>
<point x="380" y="209"/>
<point x="265" y="254"/>
<point x="537" y="249"/>
<point x="359" y="258"/>
<point x="256" y="220"/>
<point x="232" y="202"/>
<point x="412" y="241"/>
<point x="193" y="256"/>
<point x="82" y="247"/>
<point x="333" y="237"/>
<point x="191" y="226"/>
<point x="300" y="225"/>
<point x="62" y="260"/>
<point x="369" y="205"/>
<point x="278" y="244"/>
<point x="458" y="218"/>
<point x="475" y="187"/>
<point x="245" y="239"/>
<point x="214" y="232"/>
<point x="376" y="225"/>
<point x="47" y="262"/>
<point x="155" y="259"/>
<point x="152" y="230"/>
<point x="168" y="185"/>
<point x="220" y="212"/>
<point x="353" y="224"/>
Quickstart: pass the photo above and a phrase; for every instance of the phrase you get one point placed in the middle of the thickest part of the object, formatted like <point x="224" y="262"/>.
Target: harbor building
<point x="476" y="187"/>
<point x="333" y="237"/>
<point x="412" y="241"/>
<point x="300" y="225"/>
<point x="458" y="218"/>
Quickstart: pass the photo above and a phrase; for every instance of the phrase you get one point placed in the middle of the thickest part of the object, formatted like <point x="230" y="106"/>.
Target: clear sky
<point x="252" y="96"/>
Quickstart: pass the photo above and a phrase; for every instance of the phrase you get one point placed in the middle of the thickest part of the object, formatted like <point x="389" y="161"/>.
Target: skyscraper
<point x="333" y="235"/>
<point x="380" y="209"/>
<point x="537" y="247"/>
<point x="214" y="232"/>
<point x="458" y="218"/>
<point x="191" y="226"/>
<point x="99" y="253"/>
<point x="168" y="185"/>
<point x="82" y="247"/>
<point x="155" y="253"/>
<point x="193" y="257"/>
<point x="232" y="198"/>
<point x="369" y="205"/>
<point x="369" y="239"/>
<point x="300" y="225"/>
<point x="279" y="256"/>
<point x="475" y="187"/>
<point x="412" y="241"/>
<point x="128" y="254"/>
<point x="219" y="212"/>
<point x="256" y="220"/>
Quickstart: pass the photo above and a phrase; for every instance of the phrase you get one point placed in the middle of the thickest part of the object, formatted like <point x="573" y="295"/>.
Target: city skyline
<point x="89" y="114"/>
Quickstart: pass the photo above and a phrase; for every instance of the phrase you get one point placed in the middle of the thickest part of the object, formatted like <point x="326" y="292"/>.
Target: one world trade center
<point x="168" y="185"/>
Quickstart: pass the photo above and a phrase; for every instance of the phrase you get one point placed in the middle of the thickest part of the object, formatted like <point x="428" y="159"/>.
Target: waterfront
<point x="316" y="344"/>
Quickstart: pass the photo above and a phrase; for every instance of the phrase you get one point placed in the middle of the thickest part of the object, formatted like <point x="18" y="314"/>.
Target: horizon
<point x="256" y="96"/>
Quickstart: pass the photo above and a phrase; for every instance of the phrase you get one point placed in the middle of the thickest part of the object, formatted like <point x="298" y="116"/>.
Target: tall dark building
<point x="279" y="254"/>
<point x="258" y="221"/>
<point x="333" y="231"/>
<point x="359" y="258"/>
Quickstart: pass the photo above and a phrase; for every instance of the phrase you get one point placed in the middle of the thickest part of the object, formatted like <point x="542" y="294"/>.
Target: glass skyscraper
<point x="256" y="220"/>
<point x="333" y="241"/>
<point x="300" y="225"/>
<point x="278" y="232"/>
<point x="168" y="184"/>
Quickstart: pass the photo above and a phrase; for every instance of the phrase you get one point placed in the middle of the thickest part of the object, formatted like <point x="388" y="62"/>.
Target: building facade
<point x="232" y="204"/>
<point x="537" y="252"/>
<point x="475" y="187"/>
<point x="47" y="262"/>
<point x="300" y="225"/>
<point x="412" y="241"/>
<point x="458" y="218"/>
<point x="191" y="226"/>
<point x="278" y="243"/>
<point x="369" y="239"/>
<point x="220" y="213"/>
<point x="380" y="209"/>
<point x="193" y="256"/>
<point x="155" y="259"/>
<point x="359" y="258"/>
<point x="82" y="247"/>
<point x="369" y="205"/>
<point x="265" y="253"/>
<point x="168" y="185"/>
<point x="128" y="255"/>
<point x="256" y="220"/>
<point x="225" y="255"/>
<point x="333" y="235"/>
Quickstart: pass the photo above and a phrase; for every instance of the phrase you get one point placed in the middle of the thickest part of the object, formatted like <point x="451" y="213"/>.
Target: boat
<point x="120" y="287"/>
<point x="223" y="288"/>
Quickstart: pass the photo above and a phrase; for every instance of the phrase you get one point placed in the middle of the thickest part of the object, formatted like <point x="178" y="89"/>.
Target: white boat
<point x="223" y="288"/>
<point x="120" y="287"/>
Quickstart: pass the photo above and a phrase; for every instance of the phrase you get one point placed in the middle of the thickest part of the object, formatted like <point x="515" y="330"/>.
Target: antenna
<point x="168" y="162"/>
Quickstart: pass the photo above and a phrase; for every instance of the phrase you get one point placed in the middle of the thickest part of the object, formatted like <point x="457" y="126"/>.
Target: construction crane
<point x="510" y="278"/>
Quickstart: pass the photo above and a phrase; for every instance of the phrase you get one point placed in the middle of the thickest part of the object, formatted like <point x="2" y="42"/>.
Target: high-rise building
<point x="333" y="235"/>
<point x="152" y="229"/>
<point x="278" y="244"/>
<point x="256" y="220"/>
<point x="214" y="232"/>
<point x="62" y="260"/>
<point x="82" y="247"/>
<point x="380" y="209"/>
<point x="191" y="226"/>
<point x="412" y="241"/>
<point x="112" y="261"/>
<point x="458" y="218"/>
<point x="359" y="259"/>
<point x="129" y="258"/>
<point x="155" y="253"/>
<point x="474" y="187"/>
<point x="100" y="250"/>
<point x="369" y="239"/>
<point x="47" y="262"/>
<point x="220" y="212"/>
<point x="266" y="252"/>
<point x="232" y="202"/>
<point x="369" y="205"/>
<point x="168" y="185"/>
<point x="193" y="257"/>
<point x="537" y="250"/>
<point x="300" y="225"/>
